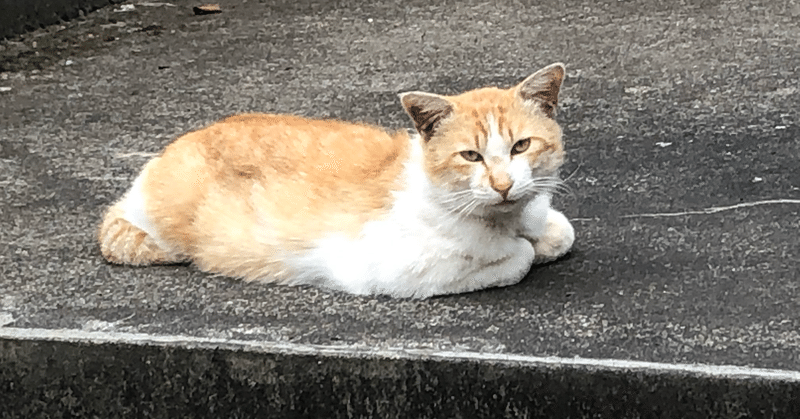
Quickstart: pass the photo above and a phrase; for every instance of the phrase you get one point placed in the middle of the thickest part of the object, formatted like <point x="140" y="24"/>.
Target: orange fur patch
<point x="253" y="187"/>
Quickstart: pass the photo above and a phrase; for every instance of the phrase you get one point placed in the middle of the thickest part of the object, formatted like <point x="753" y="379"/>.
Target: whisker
<point x="458" y="194"/>
<point x="555" y="191"/>
<point x="460" y="209"/>
<point x="458" y="205"/>
<point x="451" y="200"/>
<point x="454" y="199"/>
<point x="455" y="209"/>
<point x="573" y="172"/>
<point x="469" y="208"/>
<point x="552" y="184"/>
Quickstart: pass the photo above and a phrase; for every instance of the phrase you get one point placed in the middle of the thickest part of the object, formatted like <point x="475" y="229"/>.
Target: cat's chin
<point x="506" y="205"/>
<point x="502" y="207"/>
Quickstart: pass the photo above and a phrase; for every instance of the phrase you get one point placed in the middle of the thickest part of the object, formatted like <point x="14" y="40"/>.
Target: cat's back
<point x="301" y="149"/>
<point x="305" y="178"/>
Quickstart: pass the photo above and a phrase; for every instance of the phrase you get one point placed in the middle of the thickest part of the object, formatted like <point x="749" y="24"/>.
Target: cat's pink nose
<point x="502" y="185"/>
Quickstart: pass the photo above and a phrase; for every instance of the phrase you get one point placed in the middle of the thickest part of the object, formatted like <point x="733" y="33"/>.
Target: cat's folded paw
<point x="557" y="238"/>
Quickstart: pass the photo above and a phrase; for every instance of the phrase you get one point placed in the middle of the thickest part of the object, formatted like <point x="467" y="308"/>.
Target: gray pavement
<point x="20" y="16"/>
<point x="681" y="128"/>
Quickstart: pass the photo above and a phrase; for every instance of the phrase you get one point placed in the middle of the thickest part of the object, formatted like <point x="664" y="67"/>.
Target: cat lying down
<point x="461" y="205"/>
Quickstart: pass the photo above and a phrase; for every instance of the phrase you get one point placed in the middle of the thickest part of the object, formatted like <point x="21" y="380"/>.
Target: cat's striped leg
<point x="128" y="236"/>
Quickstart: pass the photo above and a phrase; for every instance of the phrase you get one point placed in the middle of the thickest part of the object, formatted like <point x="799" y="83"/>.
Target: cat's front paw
<point x="556" y="239"/>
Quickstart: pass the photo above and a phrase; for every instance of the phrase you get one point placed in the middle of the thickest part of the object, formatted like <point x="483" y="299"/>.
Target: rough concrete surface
<point x="20" y="16"/>
<point x="194" y="378"/>
<point x="681" y="127"/>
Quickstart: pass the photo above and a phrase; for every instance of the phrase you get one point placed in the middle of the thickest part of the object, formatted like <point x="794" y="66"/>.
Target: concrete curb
<point x="48" y="373"/>
<point x="20" y="16"/>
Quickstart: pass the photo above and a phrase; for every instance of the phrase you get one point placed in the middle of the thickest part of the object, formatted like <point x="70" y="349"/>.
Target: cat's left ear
<point x="427" y="110"/>
<point x="543" y="87"/>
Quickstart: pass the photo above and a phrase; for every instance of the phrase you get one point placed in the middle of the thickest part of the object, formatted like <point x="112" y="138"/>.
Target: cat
<point x="461" y="205"/>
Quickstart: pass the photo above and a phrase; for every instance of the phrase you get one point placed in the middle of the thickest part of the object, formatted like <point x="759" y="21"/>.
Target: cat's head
<point x="491" y="149"/>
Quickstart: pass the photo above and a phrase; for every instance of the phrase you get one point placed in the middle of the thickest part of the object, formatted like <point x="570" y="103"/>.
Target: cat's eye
<point x="520" y="146"/>
<point x="471" y="156"/>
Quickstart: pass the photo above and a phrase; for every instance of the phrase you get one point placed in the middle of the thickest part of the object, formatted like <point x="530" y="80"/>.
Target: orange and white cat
<point x="462" y="204"/>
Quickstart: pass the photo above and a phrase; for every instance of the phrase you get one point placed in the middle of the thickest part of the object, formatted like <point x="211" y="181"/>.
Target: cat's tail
<point x="123" y="243"/>
<point x="127" y="234"/>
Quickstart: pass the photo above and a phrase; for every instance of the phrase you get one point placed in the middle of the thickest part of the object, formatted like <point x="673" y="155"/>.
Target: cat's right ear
<point x="542" y="87"/>
<point x="427" y="110"/>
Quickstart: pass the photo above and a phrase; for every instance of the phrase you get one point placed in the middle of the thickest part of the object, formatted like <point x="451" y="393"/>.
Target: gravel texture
<point x="672" y="114"/>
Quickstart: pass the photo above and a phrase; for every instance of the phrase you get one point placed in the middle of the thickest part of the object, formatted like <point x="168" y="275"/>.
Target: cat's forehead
<point x="484" y="100"/>
<point x="493" y="105"/>
<point x="489" y="103"/>
<point x="499" y="114"/>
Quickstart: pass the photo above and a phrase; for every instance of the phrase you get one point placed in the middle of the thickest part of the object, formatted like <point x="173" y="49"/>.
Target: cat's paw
<point x="556" y="239"/>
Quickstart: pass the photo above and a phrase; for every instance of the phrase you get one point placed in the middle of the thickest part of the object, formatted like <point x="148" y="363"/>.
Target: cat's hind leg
<point x="127" y="235"/>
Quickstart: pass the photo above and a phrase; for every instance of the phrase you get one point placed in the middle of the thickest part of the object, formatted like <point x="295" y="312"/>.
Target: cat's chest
<point x="417" y="238"/>
<point x="415" y="250"/>
<point x="396" y="255"/>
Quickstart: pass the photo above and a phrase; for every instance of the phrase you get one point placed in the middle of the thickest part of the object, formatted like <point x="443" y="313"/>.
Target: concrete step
<point x="66" y="373"/>
<point x="680" y="298"/>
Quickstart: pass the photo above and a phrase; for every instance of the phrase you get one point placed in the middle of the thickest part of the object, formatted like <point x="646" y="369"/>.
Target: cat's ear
<point x="542" y="87"/>
<point x="427" y="110"/>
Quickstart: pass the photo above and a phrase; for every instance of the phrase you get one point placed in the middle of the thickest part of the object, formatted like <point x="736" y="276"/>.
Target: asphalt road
<point x="681" y="128"/>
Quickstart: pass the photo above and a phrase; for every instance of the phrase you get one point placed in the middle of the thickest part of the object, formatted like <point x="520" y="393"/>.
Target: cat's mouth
<point x="506" y="205"/>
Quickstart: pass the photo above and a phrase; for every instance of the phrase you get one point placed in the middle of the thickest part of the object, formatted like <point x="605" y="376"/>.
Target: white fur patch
<point x="520" y="172"/>
<point x="534" y="216"/>
<point x="134" y="210"/>
<point x="496" y="145"/>
<point x="557" y="238"/>
<point x="418" y="250"/>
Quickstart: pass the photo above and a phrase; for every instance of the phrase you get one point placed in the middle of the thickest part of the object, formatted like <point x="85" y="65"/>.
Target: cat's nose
<point x="502" y="184"/>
